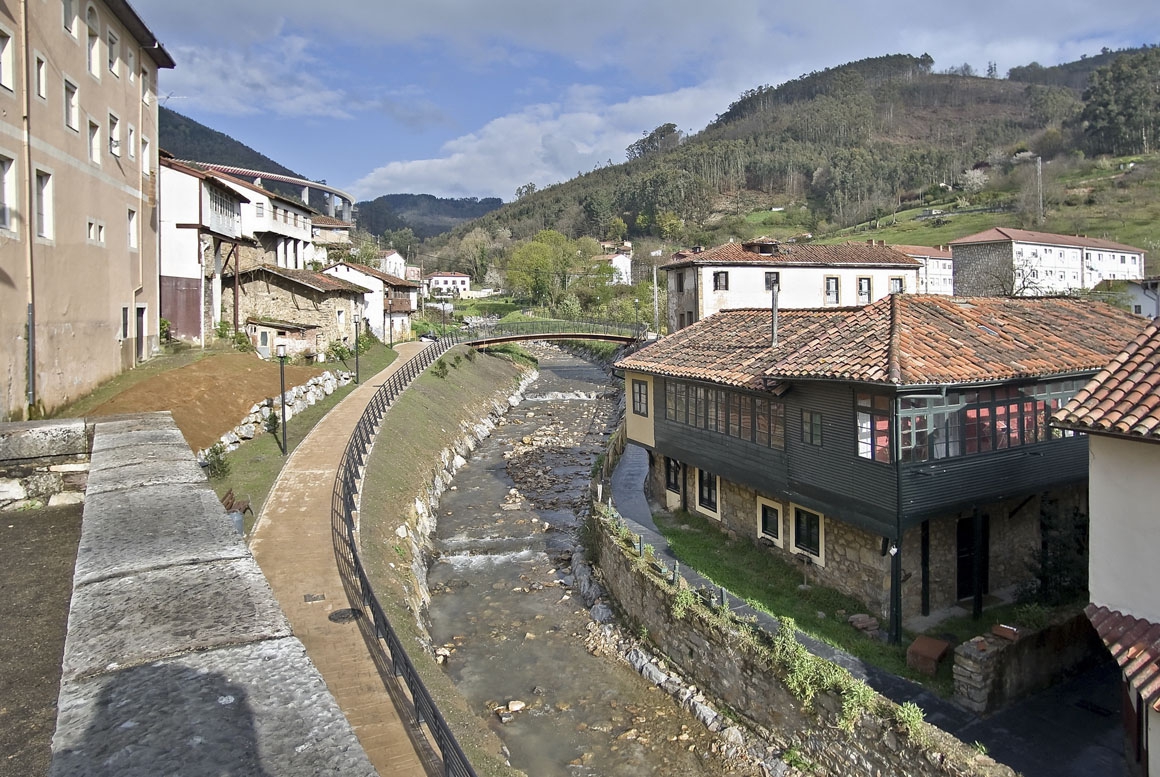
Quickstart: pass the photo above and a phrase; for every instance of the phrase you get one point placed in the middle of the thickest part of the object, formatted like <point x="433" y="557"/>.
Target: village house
<point x="78" y="223"/>
<point x="388" y="306"/>
<point x="1004" y="261"/>
<point x="446" y="284"/>
<point x="740" y="275"/>
<point x="326" y="232"/>
<point x="1141" y="296"/>
<point x="201" y="226"/>
<point x="900" y="451"/>
<point x="1119" y="410"/>
<point x="937" y="273"/>
<point x="306" y="310"/>
<point x="280" y="229"/>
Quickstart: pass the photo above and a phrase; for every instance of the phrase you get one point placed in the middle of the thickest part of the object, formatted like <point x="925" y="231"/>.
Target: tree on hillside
<point x="1052" y="105"/>
<point x="1122" y="104"/>
<point x="663" y="138"/>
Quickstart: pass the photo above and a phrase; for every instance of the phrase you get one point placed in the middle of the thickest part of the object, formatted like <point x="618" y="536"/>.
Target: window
<point x="146" y="86"/>
<point x="720" y="281"/>
<point x="769" y="520"/>
<point x="93" y="49"/>
<point x="132" y="226"/>
<point x="131" y="63"/>
<point x="808" y="532"/>
<point x="131" y="141"/>
<point x="260" y="210"/>
<point x="874" y="426"/>
<point x="672" y="475"/>
<point x="69" y="16"/>
<point x="897" y="285"/>
<point x="7" y="192"/>
<point x="146" y="159"/>
<point x="95" y="233"/>
<point x="640" y="397"/>
<point x="43" y="204"/>
<point x="832" y="297"/>
<point x="811" y="428"/>
<point x="41" y="76"/>
<point x="94" y="142"/>
<point x="114" y="46"/>
<point x="71" y="106"/>
<point x="114" y="135"/>
<point x="7" y="64"/>
<point x="707" y="490"/>
<point x="772" y="281"/>
<point x="124" y="323"/>
<point x="679" y="276"/>
<point x="863" y="291"/>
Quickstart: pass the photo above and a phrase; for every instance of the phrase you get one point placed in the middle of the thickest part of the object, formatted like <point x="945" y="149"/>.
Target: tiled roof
<point x="385" y="277"/>
<point x="321" y="220"/>
<point x="1135" y="644"/>
<point x="936" y="252"/>
<point x="1124" y="398"/>
<point x="314" y="280"/>
<point x="446" y="275"/>
<point x="900" y="340"/>
<point x="794" y="255"/>
<point x="1005" y="234"/>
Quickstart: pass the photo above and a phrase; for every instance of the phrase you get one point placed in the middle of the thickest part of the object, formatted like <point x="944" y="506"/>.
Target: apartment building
<point x="78" y="228"/>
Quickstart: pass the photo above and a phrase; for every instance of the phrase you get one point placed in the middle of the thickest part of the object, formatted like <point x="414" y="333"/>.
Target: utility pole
<point x="1039" y="184"/>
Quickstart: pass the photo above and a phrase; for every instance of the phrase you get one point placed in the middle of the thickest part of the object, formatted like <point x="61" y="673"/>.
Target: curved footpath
<point x="293" y="545"/>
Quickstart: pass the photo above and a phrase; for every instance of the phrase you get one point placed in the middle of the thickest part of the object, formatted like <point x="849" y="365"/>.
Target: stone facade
<point x="984" y="270"/>
<point x="854" y="561"/>
<point x="43" y="463"/>
<point x="271" y="297"/>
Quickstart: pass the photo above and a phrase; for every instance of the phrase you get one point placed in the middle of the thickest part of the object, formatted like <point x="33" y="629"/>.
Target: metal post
<point x="356" y="322"/>
<point x="391" y="321"/>
<point x="282" y="373"/>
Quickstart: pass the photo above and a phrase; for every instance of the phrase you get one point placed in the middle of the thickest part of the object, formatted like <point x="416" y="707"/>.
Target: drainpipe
<point x="896" y="549"/>
<point x="29" y="226"/>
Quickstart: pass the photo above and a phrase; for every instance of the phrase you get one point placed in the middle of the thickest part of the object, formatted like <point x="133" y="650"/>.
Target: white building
<point x="743" y="275"/>
<point x="446" y="284"/>
<point x="388" y="306"/>
<point x="325" y="232"/>
<point x="281" y="228"/>
<point x="1120" y="410"/>
<point x="1005" y="261"/>
<point x="393" y="263"/>
<point x="937" y="273"/>
<point x="201" y="223"/>
<point x="1142" y="296"/>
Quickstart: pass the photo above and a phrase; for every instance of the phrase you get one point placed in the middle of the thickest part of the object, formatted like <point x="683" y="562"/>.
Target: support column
<point x="346" y="211"/>
<point x="306" y="195"/>
<point x="330" y="204"/>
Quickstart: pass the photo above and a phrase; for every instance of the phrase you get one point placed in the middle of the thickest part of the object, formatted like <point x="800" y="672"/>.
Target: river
<point x="518" y="642"/>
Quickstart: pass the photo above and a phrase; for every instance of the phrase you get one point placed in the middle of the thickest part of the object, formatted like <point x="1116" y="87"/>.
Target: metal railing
<point x="552" y="326"/>
<point x="386" y="648"/>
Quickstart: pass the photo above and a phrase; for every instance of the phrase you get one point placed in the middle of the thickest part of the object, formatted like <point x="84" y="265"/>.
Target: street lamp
<point x="391" y="321"/>
<point x="443" y="307"/>
<point x="356" y="323"/>
<point x="282" y="372"/>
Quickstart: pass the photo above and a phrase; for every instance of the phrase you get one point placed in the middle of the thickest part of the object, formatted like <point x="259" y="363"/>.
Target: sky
<point x="473" y="99"/>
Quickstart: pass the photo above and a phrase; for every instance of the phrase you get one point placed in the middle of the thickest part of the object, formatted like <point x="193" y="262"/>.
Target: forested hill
<point x="833" y="148"/>
<point x="187" y="139"/>
<point x="425" y="214"/>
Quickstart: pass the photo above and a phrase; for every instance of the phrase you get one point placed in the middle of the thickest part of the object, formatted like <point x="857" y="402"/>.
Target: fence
<point x="386" y="648"/>
<point x="552" y="326"/>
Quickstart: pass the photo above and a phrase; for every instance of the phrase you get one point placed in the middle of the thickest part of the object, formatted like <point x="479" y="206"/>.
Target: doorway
<point x="967" y="550"/>
<point x="140" y="334"/>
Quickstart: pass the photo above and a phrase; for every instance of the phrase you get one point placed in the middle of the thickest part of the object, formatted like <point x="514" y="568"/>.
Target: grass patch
<point x="512" y="353"/>
<point x="486" y="307"/>
<point x="598" y="349"/>
<point x="256" y="464"/>
<point x="770" y="584"/>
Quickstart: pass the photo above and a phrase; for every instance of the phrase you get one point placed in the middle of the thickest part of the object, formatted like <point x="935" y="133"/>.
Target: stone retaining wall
<point x="992" y="671"/>
<point x="727" y="666"/>
<point x="43" y="463"/>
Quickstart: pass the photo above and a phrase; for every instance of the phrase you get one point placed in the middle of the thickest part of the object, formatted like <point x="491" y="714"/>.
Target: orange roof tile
<point x="794" y="255"/>
<point x="935" y="252"/>
<point x="900" y="340"/>
<point x="1007" y="234"/>
<point x="314" y="280"/>
<point x="1124" y="398"/>
<point x="1135" y="644"/>
<point x="374" y="272"/>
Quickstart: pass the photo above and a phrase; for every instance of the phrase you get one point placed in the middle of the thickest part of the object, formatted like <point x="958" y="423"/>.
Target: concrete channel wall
<point x="178" y="659"/>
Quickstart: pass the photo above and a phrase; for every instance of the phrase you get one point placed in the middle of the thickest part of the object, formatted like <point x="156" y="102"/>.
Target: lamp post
<point x="356" y="323"/>
<point x="282" y="373"/>
<point x="443" y="307"/>
<point x="391" y="321"/>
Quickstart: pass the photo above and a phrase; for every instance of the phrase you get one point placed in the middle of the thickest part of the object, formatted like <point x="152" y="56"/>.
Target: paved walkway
<point x="1069" y="730"/>
<point x="293" y="545"/>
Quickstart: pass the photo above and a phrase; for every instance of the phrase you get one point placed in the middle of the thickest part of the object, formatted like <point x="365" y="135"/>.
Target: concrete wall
<point x="178" y="659"/>
<point x="43" y="463"/>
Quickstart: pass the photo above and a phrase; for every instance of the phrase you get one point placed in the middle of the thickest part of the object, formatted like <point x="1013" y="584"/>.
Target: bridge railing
<point x="551" y="326"/>
<point x="386" y="647"/>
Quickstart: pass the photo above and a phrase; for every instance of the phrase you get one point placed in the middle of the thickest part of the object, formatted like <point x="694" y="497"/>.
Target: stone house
<point x="1119" y="410"/>
<point x="79" y="299"/>
<point x="1005" y="262"/>
<point x="900" y="451"/>
<point x="744" y="275"/>
<point x="388" y="306"/>
<point x="321" y="304"/>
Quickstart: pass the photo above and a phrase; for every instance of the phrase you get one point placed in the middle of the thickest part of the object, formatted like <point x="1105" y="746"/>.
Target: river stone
<point x="515" y="705"/>
<point x="246" y="431"/>
<point x="602" y="613"/>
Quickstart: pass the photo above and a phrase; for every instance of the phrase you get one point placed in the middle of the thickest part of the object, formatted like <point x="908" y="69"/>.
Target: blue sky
<point x="472" y="99"/>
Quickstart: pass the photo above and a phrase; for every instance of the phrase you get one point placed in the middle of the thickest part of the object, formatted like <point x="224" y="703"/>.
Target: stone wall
<point x="984" y="270"/>
<point x="991" y="671"/>
<point x="727" y="665"/>
<point x="270" y="297"/>
<point x="43" y="463"/>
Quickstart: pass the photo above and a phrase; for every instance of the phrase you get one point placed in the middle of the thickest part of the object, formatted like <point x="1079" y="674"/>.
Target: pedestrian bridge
<point x="549" y="329"/>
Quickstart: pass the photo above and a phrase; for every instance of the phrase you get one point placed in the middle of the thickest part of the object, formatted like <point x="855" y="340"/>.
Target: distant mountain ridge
<point x="425" y="214"/>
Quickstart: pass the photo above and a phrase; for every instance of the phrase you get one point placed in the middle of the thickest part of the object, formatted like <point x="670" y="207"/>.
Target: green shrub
<point x="166" y="331"/>
<point x="271" y="423"/>
<point x="337" y="352"/>
<point x="439" y="369"/>
<point x="910" y="719"/>
<point x="216" y="463"/>
<point x="682" y="602"/>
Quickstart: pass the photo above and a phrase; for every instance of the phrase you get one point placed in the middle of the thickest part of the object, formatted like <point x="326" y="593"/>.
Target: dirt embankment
<point x="210" y="396"/>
